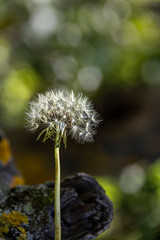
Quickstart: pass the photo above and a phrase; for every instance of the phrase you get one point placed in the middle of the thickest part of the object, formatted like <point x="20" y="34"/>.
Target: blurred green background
<point x="110" y="51"/>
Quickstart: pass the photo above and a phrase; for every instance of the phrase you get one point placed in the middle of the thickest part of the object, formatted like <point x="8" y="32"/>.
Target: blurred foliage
<point x="136" y="199"/>
<point x="88" y="46"/>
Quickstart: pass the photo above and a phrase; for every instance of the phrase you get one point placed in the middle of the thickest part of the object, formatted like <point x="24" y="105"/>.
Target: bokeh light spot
<point x="90" y="78"/>
<point x="132" y="179"/>
<point x="112" y="19"/>
<point x="121" y="7"/>
<point x="43" y="21"/>
<point x="127" y="34"/>
<point x="70" y="34"/>
<point x="65" y="68"/>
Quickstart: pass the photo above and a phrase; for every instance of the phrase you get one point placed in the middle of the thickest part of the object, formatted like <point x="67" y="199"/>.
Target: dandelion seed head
<point x="63" y="112"/>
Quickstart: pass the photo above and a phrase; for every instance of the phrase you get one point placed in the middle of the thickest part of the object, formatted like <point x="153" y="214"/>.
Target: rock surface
<point x="27" y="212"/>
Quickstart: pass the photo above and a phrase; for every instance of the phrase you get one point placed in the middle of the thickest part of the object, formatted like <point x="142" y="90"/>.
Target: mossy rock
<point x="27" y="212"/>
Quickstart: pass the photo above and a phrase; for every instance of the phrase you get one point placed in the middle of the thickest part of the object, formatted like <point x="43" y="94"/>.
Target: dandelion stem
<point x="57" y="194"/>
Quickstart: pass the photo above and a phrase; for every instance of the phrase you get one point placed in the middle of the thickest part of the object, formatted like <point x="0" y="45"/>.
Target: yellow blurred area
<point x="154" y="173"/>
<point x="5" y="152"/>
<point x="112" y="189"/>
<point x="17" y="89"/>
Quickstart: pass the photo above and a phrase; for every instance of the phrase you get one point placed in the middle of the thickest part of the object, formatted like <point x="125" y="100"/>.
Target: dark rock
<point x="86" y="210"/>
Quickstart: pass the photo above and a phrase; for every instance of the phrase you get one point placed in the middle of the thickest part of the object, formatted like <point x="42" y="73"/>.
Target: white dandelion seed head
<point x="59" y="111"/>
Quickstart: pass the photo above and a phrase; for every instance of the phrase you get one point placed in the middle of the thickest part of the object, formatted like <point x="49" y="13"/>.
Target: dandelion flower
<point x="63" y="112"/>
<point x="59" y="114"/>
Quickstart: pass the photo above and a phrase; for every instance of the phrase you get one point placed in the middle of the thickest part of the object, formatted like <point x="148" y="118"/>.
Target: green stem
<point x="57" y="207"/>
